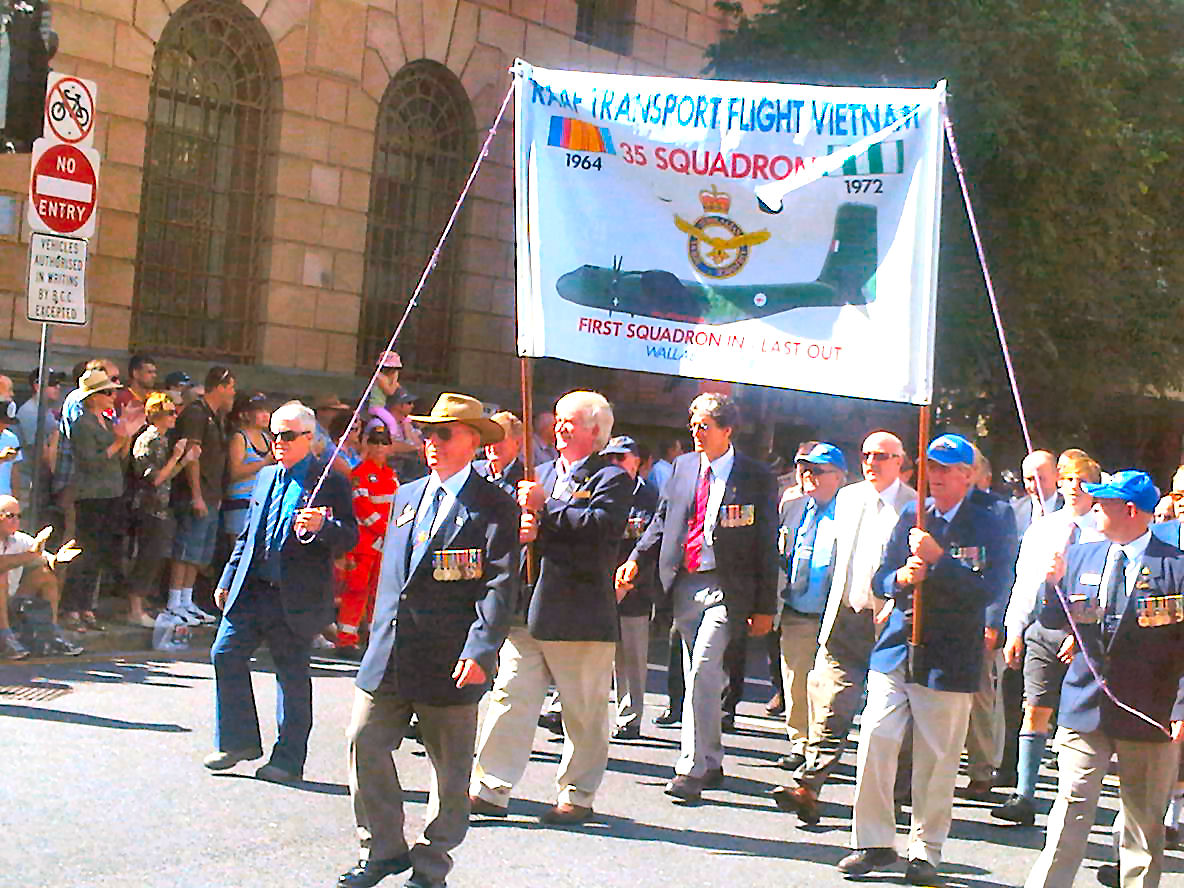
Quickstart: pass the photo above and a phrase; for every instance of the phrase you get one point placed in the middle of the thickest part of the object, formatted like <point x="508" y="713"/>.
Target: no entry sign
<point x="63" y="189"/>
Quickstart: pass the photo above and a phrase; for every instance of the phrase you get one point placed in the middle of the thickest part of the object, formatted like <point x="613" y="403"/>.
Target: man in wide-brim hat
<point x="447" y="591"/>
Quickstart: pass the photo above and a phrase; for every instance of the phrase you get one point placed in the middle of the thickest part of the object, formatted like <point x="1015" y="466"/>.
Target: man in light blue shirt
<point x="807" y="546"/>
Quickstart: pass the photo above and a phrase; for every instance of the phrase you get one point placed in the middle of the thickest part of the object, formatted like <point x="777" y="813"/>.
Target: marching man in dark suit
<point x="577" y="508"/>
<point x="1126" y="595"/>
<point x="278" y="587"/>
<point x="446" y="594"/>
<point x="961" y="557"/>
<point x="502" y="464"/>
<point x="715" y="540"/>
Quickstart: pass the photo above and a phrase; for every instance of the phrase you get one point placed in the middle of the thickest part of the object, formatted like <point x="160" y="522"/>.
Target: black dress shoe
<point x="714" y="778"/>
<point x="627" y="732"/>
<point x="668" y="717"/>
<point x="552" y="721"/>
<point x="1108" y="875"/>
<point x="727" y="723"/>
<point x="370" y="872"/>
<point x="791" y="762"/>
<point x="921" y="872"/>
<point x="1016" y="809"/>
<point x="275" y="774"/>
<point x="418" y="881"/>
<point x="685" y="787"/>
<point x="979" y="790"/>
<point x="863" y="861"/>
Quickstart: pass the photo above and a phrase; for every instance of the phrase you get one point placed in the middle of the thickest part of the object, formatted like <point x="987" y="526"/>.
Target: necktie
<point x="422" y="535"/>
<point x="693" y="548"/>
<point x="275" y="512"/>
<point x="1116" y="593"/>
<point x="803" y="551"/>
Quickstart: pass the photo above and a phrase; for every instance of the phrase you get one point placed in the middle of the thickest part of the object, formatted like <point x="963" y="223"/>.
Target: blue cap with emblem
<point x="1130" y="486"/>
<point x="951" y="450"/>
<point x="824" y="454"/>
<point x="620" y="445"/>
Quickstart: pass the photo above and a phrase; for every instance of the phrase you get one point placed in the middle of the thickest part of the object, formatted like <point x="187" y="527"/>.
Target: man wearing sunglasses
<point x="714" y="538"/>
<point x="578" y="508"/>
<point x="864" y="516"/>
<point x="447" y="591"/>
<point x="278" y="587"/>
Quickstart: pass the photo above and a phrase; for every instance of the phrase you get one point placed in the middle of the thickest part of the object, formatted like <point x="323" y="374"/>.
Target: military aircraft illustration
<point x="847" y="277"/>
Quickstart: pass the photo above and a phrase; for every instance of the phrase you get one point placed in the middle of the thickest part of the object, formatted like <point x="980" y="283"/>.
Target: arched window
<point x="422" y="152"/>
<point x="202" y="211"/>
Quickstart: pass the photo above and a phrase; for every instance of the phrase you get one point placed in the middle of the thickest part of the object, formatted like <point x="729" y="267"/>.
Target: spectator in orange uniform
<point x="374" y="485"/>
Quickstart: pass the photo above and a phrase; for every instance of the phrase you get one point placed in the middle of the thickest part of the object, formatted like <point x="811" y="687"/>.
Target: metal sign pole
<point x="39" y="438"/>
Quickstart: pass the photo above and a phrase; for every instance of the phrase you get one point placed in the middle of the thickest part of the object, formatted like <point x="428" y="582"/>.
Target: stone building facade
<point x="274" y="173"/>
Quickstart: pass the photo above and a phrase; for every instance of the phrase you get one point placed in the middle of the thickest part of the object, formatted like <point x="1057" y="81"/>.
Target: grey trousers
<point x="834" y="688"/>
<point x="376" y="729"/>
<point x="702" y="619"/>
<point x="1146" y="774"/>
<point x="630" y="670"/>
<point x="986" y="733"/>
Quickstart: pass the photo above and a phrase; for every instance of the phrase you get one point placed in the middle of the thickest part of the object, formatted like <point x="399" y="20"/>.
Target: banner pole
<point x="916" y="645"/>
<point x="527" y="384"/>
<point x="35" y="459"/>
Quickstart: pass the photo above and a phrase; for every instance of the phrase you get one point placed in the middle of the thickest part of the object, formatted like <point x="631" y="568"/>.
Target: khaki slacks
<point x="799" y="646"/>
<point x="376" y="729"/>
<point x="938" y="720"/>
<point x="987" y="731"/>
<point x="582" y="672"/>
<point x="1146" y="774"/>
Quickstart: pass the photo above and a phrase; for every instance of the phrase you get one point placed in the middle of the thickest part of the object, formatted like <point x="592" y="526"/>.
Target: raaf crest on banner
<point x="750" y="232"/>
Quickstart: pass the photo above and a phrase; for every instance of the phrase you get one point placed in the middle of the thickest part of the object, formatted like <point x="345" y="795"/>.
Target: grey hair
<point x="593" y="409"/>
<point x="295" y="411"/>
<point x="719" y="407"/>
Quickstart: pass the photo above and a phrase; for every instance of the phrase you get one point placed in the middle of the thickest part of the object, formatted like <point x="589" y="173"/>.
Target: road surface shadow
<point x="39" y="713"/>
<point x="335" y="789"/>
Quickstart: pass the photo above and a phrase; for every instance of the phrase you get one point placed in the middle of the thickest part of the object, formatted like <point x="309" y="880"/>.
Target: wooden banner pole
<point x="915" y="640"/>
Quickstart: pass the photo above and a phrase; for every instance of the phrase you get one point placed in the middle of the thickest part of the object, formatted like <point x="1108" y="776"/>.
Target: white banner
<point x="749" y="232"/>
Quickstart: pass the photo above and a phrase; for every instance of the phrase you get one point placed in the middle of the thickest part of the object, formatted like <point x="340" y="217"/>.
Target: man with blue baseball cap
<point x="806" y="544"/>
<point x="960" y="556"/>
<point x="1123" y="596"/>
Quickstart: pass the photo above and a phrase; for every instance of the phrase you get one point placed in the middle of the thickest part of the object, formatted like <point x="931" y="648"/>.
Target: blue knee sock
<point x="1030" y="753"/>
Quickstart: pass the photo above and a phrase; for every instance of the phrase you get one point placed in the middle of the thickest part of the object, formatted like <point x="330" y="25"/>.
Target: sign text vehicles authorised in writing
<point x="57" y="279"/>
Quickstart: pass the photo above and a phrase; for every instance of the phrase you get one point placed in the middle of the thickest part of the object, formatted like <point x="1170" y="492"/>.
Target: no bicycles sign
<point x="70" y="109"/>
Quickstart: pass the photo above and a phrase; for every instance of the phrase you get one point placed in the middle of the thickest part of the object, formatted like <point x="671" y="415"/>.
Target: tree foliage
<point x="1069" y="119"/>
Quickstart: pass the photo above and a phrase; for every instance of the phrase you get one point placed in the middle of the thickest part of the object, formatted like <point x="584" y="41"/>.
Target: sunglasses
<point x="443" y="432"/>
<point x="1176" y="495"/>
<point x="7" y="515"/>
<point x="699" y="427"/>
<point x="876" y="456"/>
<point x="816" y="471"/>
<point x="289" y="435"/>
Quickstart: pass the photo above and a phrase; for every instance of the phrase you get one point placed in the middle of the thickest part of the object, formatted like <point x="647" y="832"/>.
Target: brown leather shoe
<point x="979" y="790"/>
<point x="798" y="799"/>
<point x="481" y="808"/>
<point x="565" y="814"/>
<point x="685" y="787"/>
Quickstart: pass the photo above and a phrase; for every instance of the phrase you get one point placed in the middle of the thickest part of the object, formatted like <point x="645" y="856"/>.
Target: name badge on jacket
<point x="972" y="557"/>
<point x="406" y="515"/>
<point x="737" y="516"/>
<point x="449" y="565"/>
<point x="1084" y="608"/>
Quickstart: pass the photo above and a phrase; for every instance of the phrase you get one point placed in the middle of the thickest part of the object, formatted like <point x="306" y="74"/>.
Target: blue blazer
<point x="576" y="553"/>
<point x="996" y="610"/>
<point x="423" y="625"/>
<point x="639" y="601"/>
<point x="306" y="569"/>
<point x="745" y="556"/>
<point x="958" y="592"/>
<point x="1143" y="665"/>
<point x="508" y="481"/>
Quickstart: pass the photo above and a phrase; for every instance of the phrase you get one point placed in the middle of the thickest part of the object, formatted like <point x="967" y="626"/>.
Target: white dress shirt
<point x="563" y="470"/>
<point x="871" y="536"/>
<point x="1047" y="535"/>
<point x="721" y="469"/>
<point x="1134" y="551"/>
<point x="451" y="485"/>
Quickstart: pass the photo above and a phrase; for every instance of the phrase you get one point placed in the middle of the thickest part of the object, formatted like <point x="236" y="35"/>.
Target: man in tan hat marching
<point x="446" y="594"/>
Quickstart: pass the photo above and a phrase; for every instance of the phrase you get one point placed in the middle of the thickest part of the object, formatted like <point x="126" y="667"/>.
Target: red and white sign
<point x="70" y="105"/>
<point x="63" y="189"/>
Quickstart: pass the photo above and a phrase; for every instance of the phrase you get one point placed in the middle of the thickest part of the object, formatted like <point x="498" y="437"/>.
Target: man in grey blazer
<point x="865" y="513"/>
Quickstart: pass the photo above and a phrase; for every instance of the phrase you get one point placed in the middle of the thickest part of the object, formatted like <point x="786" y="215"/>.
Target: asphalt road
<point x="102" y="785"/>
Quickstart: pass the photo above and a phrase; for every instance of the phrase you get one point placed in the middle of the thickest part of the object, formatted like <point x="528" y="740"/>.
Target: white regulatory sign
<point x="70" y="109"/>
<point x="57" y="279"/>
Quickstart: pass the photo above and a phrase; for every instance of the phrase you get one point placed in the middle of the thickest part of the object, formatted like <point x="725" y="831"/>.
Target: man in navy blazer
<point x="715" y="541"/>
<point x="502" y="463"/>
<point x="961" y="556"/>
<point x="575" y="512"/>
<point x="1125" y="597"/>
<point x="446" y="594"/>
<point x="278" y="587"/>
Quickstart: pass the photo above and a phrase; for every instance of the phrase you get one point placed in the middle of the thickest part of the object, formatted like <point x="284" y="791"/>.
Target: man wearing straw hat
<point x="960" y="557"/>
<point x="1125" y="595"/>
<point x="579" y="506"/>
<point x="446" y="593"/>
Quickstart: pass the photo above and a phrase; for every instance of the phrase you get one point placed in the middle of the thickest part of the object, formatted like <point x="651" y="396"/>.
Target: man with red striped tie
<point x="715" y="539"/>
